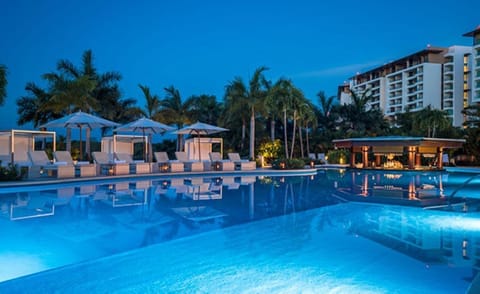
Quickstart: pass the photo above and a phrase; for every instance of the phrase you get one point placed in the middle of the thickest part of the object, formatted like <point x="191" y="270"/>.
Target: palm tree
<point x="174" y="111"/>
<point x="152" y="105"/>
<point x="327" y="118"/>
<point x="358" y="119"/>
<point x="257" y="92"/>
<point x="70" y="95"/>
<point x="71" y="89"/>
<point x="236" y="107"/>
<point x="29" y="107"/>
<point x="289" y="100"/>
<point x="431" y="120"/>
<point x="3" y="83"/>
<point x="307" y="117"/>
<point x="204" y="108"/>
<point x="298" y="105"/>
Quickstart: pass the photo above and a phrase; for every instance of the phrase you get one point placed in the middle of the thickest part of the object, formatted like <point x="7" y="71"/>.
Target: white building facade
<point x="442" y="78"/>
<point x="475" y="65"/>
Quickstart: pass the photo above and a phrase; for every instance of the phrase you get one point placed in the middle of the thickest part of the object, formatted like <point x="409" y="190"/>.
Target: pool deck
<point x="151" y="176"/>
<point x="259" y="171"/>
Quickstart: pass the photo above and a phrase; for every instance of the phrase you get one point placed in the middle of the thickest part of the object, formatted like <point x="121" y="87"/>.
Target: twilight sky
<point x="200" y="46"/>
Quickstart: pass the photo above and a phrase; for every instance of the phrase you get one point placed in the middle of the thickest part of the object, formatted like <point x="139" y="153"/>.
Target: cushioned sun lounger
<point x="82" y="168"/>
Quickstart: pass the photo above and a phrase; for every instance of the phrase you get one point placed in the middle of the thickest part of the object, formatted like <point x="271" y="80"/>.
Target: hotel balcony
<point x="448" y="77"/>
<point x="448" y="69"/>
<point x="447" y="95"/>
<point x="396" y="102"/>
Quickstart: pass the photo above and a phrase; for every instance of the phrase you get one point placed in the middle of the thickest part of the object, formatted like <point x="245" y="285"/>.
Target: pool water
<point x="261" y="234"/>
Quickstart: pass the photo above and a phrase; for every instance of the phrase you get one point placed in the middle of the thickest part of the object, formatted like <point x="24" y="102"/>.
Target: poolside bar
<point x="391" y="146"/>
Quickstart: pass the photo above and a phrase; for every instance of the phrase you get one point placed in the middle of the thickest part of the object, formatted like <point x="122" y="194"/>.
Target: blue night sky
<point x="199" y="46"/>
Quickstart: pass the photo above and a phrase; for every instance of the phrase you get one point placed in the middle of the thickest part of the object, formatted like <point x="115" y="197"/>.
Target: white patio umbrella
<point x="200" y="128"/>
<point x="145" y="126"/>
<point x="80" y="120"/>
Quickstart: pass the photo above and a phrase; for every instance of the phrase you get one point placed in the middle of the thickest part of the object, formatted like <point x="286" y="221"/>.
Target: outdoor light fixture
<point x="164" y="167"/>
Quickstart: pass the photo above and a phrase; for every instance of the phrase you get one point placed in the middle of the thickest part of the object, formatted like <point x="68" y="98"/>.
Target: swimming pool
<point x="249" y="234"/>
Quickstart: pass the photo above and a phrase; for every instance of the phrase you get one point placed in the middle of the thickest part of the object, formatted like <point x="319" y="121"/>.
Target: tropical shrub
<point x="291" y="163"/>
<point x="9" y="173"/>
<point x="339" y="156"/>
<point x="270" y="150"/>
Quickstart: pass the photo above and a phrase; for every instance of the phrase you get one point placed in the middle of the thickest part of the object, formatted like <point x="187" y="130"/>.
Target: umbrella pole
<point x="199" y="147"/>
<point x="145" y="151"/>
<point x="81" y="153"/>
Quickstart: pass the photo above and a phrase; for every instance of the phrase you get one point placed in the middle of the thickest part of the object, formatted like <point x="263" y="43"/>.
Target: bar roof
<point x="399" y="141"/>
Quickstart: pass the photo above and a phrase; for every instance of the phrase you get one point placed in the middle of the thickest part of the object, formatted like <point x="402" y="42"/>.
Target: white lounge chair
<point x="106" y="165"/>
<point x="42" y="166"/>
<point x="242" y="164"/>
<point x="82" y="168"/>
<point x="136" y="167"/>
<point x="190" y="165"/>
<point x="165" y="164"/>
<point x="219" y="163"/>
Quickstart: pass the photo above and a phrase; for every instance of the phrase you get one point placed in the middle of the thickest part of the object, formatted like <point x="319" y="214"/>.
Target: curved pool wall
<point x="276" y="228"/>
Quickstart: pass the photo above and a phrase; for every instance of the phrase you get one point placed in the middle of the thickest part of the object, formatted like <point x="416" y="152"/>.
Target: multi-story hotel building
<point x="442" y="78"/>
<point x="475" y="64"/>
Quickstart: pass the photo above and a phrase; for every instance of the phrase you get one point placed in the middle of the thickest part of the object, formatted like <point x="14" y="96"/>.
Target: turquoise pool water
<point x="260" y="234"/>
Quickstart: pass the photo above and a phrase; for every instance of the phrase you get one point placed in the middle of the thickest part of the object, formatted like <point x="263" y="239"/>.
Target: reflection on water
<point x="433" y="190"/>
<point x="90" y="220"/>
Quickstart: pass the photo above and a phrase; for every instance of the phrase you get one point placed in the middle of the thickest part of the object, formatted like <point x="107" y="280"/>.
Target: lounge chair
<point x="312" y="156"/>
<point x="106" y="165"/>
<point x="136" y="167"/>
<point x="165" y="164"/>
<point x="42" y="166"/>
<point x="190" y="165"/>
<point x="322" y="158"/>
<point x="242" y="164"/>
<point x="82" y="168"/>
<point x="219" y="163"/>
<point x="204" y="191"/>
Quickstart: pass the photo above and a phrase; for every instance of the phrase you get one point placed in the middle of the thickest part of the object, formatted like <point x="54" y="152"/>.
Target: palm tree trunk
<point x="285" y="139"/>
<point x="180" y="142"/>
<point x="300" y="137"/>
<point x="293" y="134"/>
<point x="69" y="140"/>
<point x="307" y="141"/>
<point x="88" y="135"/>
<point x="252" y="134"/>
<point x="272" y="129"/>
<point x="244" y="131"/>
